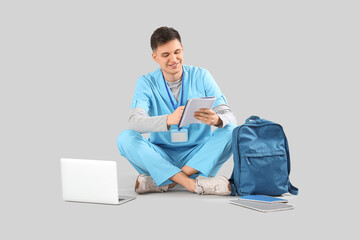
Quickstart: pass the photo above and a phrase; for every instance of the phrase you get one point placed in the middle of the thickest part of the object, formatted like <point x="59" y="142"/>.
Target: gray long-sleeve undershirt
<point x="140" y="121"/>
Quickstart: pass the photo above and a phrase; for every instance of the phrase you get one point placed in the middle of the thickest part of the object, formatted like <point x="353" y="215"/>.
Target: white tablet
<point x="263" y="207"/>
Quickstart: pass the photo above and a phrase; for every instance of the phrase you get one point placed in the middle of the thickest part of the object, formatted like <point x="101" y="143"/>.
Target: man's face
<point x="170" y="57"/>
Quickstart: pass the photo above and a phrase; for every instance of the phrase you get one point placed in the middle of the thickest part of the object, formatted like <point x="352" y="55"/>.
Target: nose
<point x="173" y="58"/>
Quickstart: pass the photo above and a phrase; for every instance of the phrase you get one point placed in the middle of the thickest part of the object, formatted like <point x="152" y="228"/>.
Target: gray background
<point x="68" y="71"/>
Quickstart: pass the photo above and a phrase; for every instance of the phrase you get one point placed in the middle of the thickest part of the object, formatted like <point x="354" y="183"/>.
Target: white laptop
<point x="91" y="181"/>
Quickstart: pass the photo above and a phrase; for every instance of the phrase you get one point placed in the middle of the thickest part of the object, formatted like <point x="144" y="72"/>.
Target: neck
<point x="172" y="77"/>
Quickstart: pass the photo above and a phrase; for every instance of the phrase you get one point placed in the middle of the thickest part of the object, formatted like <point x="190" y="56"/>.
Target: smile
<point x="174" y="65"/>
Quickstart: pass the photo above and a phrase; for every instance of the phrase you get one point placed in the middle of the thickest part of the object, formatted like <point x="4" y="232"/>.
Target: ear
<point x="154" y="56"/>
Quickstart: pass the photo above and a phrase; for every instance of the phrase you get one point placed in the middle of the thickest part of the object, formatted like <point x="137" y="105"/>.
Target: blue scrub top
<point x="151" y="95"/>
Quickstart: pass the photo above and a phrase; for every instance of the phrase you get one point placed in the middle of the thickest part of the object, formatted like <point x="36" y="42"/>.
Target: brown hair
<point x="163" y="35"/>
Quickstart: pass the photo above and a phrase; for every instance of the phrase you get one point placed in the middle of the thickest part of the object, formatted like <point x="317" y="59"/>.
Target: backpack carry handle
<point x="252" y="118"/>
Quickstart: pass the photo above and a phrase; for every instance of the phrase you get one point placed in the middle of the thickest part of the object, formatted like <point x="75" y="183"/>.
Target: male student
<point x="157" y="106"/>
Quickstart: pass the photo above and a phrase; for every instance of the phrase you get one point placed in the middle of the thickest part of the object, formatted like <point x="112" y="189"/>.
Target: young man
<point x="157" y="106"/>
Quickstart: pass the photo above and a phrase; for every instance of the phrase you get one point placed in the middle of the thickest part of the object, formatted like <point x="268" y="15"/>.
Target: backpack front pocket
<point x="264" y="173"/>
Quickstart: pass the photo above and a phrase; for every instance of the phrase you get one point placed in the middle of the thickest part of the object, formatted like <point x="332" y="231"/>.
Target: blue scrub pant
<point x="162" y="163"/>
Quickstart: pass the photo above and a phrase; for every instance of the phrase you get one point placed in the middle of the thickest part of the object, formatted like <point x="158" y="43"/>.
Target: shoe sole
<point x="137" y="184"/>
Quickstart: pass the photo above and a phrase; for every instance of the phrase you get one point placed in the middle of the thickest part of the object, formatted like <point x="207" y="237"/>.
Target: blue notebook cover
<point x="263" y="198"/>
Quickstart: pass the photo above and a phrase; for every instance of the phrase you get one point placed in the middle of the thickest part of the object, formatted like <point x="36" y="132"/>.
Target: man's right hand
<point x="174" y="118"/>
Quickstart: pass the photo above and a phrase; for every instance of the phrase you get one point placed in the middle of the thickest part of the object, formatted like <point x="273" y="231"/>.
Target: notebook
<point x="263" y="207"/>
<point x="263" y="199"/>
<point x="193" y="105"/>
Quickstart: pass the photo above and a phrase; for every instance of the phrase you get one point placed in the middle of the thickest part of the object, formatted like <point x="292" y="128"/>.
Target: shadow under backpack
<point x="261" y="159"/>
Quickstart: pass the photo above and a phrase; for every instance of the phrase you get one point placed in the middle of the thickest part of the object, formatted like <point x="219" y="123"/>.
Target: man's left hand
<point x="208" y="116"/>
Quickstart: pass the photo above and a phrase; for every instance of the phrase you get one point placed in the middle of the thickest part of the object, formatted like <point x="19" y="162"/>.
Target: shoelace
<point x="152" y="185"/>
<point x="205" y="186"/>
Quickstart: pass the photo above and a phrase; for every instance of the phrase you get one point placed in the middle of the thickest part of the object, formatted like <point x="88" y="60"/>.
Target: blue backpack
<point x="261" y="159"/>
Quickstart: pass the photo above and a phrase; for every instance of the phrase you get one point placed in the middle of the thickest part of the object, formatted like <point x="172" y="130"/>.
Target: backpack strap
<point x="232" y="185"/>
<point x="293" y="190"/>
<point x="234" y="147"/>
<point x="287" y="153"/>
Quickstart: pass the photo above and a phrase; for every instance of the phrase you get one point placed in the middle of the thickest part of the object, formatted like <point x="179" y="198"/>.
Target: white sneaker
<point x="146" y="184"/>
<point x="217" y="185"/>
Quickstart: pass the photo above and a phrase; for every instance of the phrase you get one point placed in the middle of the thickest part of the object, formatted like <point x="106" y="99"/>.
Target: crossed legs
<point x="183" y="178"/>
<point x="149" y="159"/>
